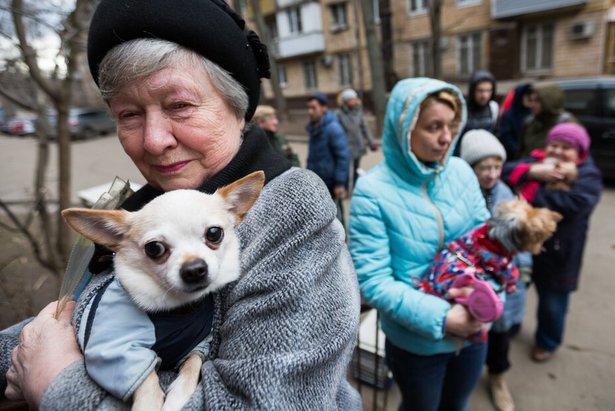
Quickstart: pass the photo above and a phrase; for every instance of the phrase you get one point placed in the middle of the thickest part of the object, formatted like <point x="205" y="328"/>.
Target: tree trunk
<point x="375" y="63"/>
<point x="278" y="96"/>
<point x="387" y="44"/>
<point x="435" y="19"/>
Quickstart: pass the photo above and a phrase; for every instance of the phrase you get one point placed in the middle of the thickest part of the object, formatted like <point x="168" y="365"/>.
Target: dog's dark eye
<point x="214" y="234"/>
<point x="155" y="249"/>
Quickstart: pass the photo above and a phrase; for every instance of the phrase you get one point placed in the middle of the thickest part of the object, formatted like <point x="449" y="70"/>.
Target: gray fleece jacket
<point x="284" y="332"/>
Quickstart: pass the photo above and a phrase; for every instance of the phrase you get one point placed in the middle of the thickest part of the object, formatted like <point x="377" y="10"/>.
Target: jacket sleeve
<point x="369" y="246"/>
<point x="339" y="147"/>
<point x="580" y="200"/>
<point x="365" y="130"/>
<point x="288" y="325"/>
<point x="292" y="319"/>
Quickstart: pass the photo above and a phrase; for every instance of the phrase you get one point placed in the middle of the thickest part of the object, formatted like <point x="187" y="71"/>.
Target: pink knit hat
<point x="573" y="134"/>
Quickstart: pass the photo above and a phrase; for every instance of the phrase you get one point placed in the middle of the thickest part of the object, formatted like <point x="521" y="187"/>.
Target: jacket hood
<point x="477" y="77"/>
<point x="517" y="102"/>
<point x="400" y="119"/>
<point x="552" y="97"/>
<point x="326" y="118"/>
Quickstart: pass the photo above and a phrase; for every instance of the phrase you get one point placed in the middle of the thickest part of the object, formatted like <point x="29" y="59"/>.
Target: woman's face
<point x="434" y="132"/>
<point x="562" y="151"/>
<point x="488" y="171"/>
<point x="270" y="123"/>
<point x="176" y="128"/>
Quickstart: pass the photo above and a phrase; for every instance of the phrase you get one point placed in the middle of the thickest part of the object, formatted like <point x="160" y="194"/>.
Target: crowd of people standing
<point x="283" y="333"/>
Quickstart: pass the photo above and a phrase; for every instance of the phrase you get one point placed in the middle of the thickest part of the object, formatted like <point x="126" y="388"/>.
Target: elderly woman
<point x="181" y="82"/>
<point x="403" y="211"/>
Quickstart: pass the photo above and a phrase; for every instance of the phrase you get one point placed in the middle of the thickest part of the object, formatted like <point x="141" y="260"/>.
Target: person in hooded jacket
<point x="512" y="120"/>
<point x="402" y="212"/>
<point x="483" y="110"/>
<point x="547" y="107"/>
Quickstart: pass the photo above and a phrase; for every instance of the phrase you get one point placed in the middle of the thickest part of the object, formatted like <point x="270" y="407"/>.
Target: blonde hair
<point x="262" y="112"/>
<point x="445" y="97"/>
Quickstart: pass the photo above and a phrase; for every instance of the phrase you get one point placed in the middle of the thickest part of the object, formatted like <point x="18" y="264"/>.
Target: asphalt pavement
<point x="581" y="376"/>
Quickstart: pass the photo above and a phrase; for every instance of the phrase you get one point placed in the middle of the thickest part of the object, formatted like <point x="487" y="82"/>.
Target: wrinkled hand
<point x="546" y="172"/>
<point x="46" y="346"/>
<point x="459" y="321"/>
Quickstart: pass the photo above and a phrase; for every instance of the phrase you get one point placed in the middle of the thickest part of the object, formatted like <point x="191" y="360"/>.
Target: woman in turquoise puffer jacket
<point x="403" y="211"/>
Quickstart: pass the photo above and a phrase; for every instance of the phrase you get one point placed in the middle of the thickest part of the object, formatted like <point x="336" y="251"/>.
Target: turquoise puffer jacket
<point x="401" y="213"/>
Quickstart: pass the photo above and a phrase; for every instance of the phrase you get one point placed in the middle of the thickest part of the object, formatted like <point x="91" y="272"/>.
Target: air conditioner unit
<point x="582" y="30"/>
<point x="327" y="60"/>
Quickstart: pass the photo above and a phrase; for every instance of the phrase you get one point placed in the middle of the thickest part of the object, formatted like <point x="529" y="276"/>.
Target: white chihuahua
<point x="169" y="255"/>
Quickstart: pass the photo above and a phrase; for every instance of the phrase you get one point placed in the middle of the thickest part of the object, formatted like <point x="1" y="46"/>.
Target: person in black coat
<point x="557" y="269"/>
<point x="512" y="120"/>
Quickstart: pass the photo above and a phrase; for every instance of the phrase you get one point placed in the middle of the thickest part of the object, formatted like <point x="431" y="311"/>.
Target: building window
<point x="421" y="58"/>
<point x="470" y="52"/>
<point x="417" y="6"/>
<point x="466" y="3"/>
<point x="376" y="9"/>
<point x="344" y="69"/>
<point x="272" y="27"/>
<point x="339" y="19"/>
<point x="537" y="47"/>
<point x="282" y="80"/>
<point x="294" y="20"/>
<point x="309" y="74"/>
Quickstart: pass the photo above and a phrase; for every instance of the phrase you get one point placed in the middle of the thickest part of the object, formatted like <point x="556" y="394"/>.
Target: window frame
<point x="345" y="75"/>
<point x="282" y="77"/>
<point x="339" y="10"/>
<point x="476" y="38"/>
<point x="309" y="70"/>
<point x="424" y="55"/>
<point x="422" y="9"/>
<point x="540" y="41"/>
<point x="295" y="26"/>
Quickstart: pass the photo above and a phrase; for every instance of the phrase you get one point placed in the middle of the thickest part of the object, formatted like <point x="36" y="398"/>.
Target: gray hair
<point x="139" y="58"/>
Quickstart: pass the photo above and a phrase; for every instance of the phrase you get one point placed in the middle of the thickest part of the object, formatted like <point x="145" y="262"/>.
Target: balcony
<point x="509" y="8"/>
<point x="299" y="44"/>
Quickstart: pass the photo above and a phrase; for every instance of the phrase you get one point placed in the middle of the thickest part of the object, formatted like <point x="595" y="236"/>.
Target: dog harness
<point x="122" y="344"/>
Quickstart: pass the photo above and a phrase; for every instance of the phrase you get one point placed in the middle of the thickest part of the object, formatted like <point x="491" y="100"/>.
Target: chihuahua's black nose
<point x="194" y="271"/>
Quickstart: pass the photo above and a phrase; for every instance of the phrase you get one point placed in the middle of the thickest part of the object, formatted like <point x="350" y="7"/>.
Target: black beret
<point x="208" y="27"/>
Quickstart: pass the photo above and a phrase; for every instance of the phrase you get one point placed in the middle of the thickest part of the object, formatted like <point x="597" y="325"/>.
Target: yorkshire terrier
<point x="482" y="258"/>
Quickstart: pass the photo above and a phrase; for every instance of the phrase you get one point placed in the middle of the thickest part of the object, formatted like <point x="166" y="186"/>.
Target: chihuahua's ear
<point x="105" y="227"/>
<point x="241" y="194"/>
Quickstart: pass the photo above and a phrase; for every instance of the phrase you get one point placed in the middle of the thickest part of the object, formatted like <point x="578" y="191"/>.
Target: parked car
<point x="21" y="126"/>
<point x="84" y="123"/>
<point x="592" y="101"/>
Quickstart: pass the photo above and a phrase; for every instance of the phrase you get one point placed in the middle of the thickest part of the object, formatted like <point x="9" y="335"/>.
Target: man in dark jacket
<point x="328" y="154"/>
<point x="483" y="111"/>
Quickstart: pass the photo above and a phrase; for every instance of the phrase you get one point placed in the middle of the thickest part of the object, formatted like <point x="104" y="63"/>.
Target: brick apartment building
<point x="318" y="45"/>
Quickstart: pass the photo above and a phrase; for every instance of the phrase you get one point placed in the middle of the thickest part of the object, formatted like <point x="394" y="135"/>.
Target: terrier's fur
<point x="174" y="251"/>
<point x="518" y="226"/>
<point x="486" y="252"/>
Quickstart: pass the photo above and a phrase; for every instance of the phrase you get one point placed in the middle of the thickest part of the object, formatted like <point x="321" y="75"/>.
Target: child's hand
<point x="545" y="172"/>
<point x="567" y="169"/>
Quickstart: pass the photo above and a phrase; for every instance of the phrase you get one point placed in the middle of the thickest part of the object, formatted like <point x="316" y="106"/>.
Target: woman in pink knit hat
<point x="563" y="178"/>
